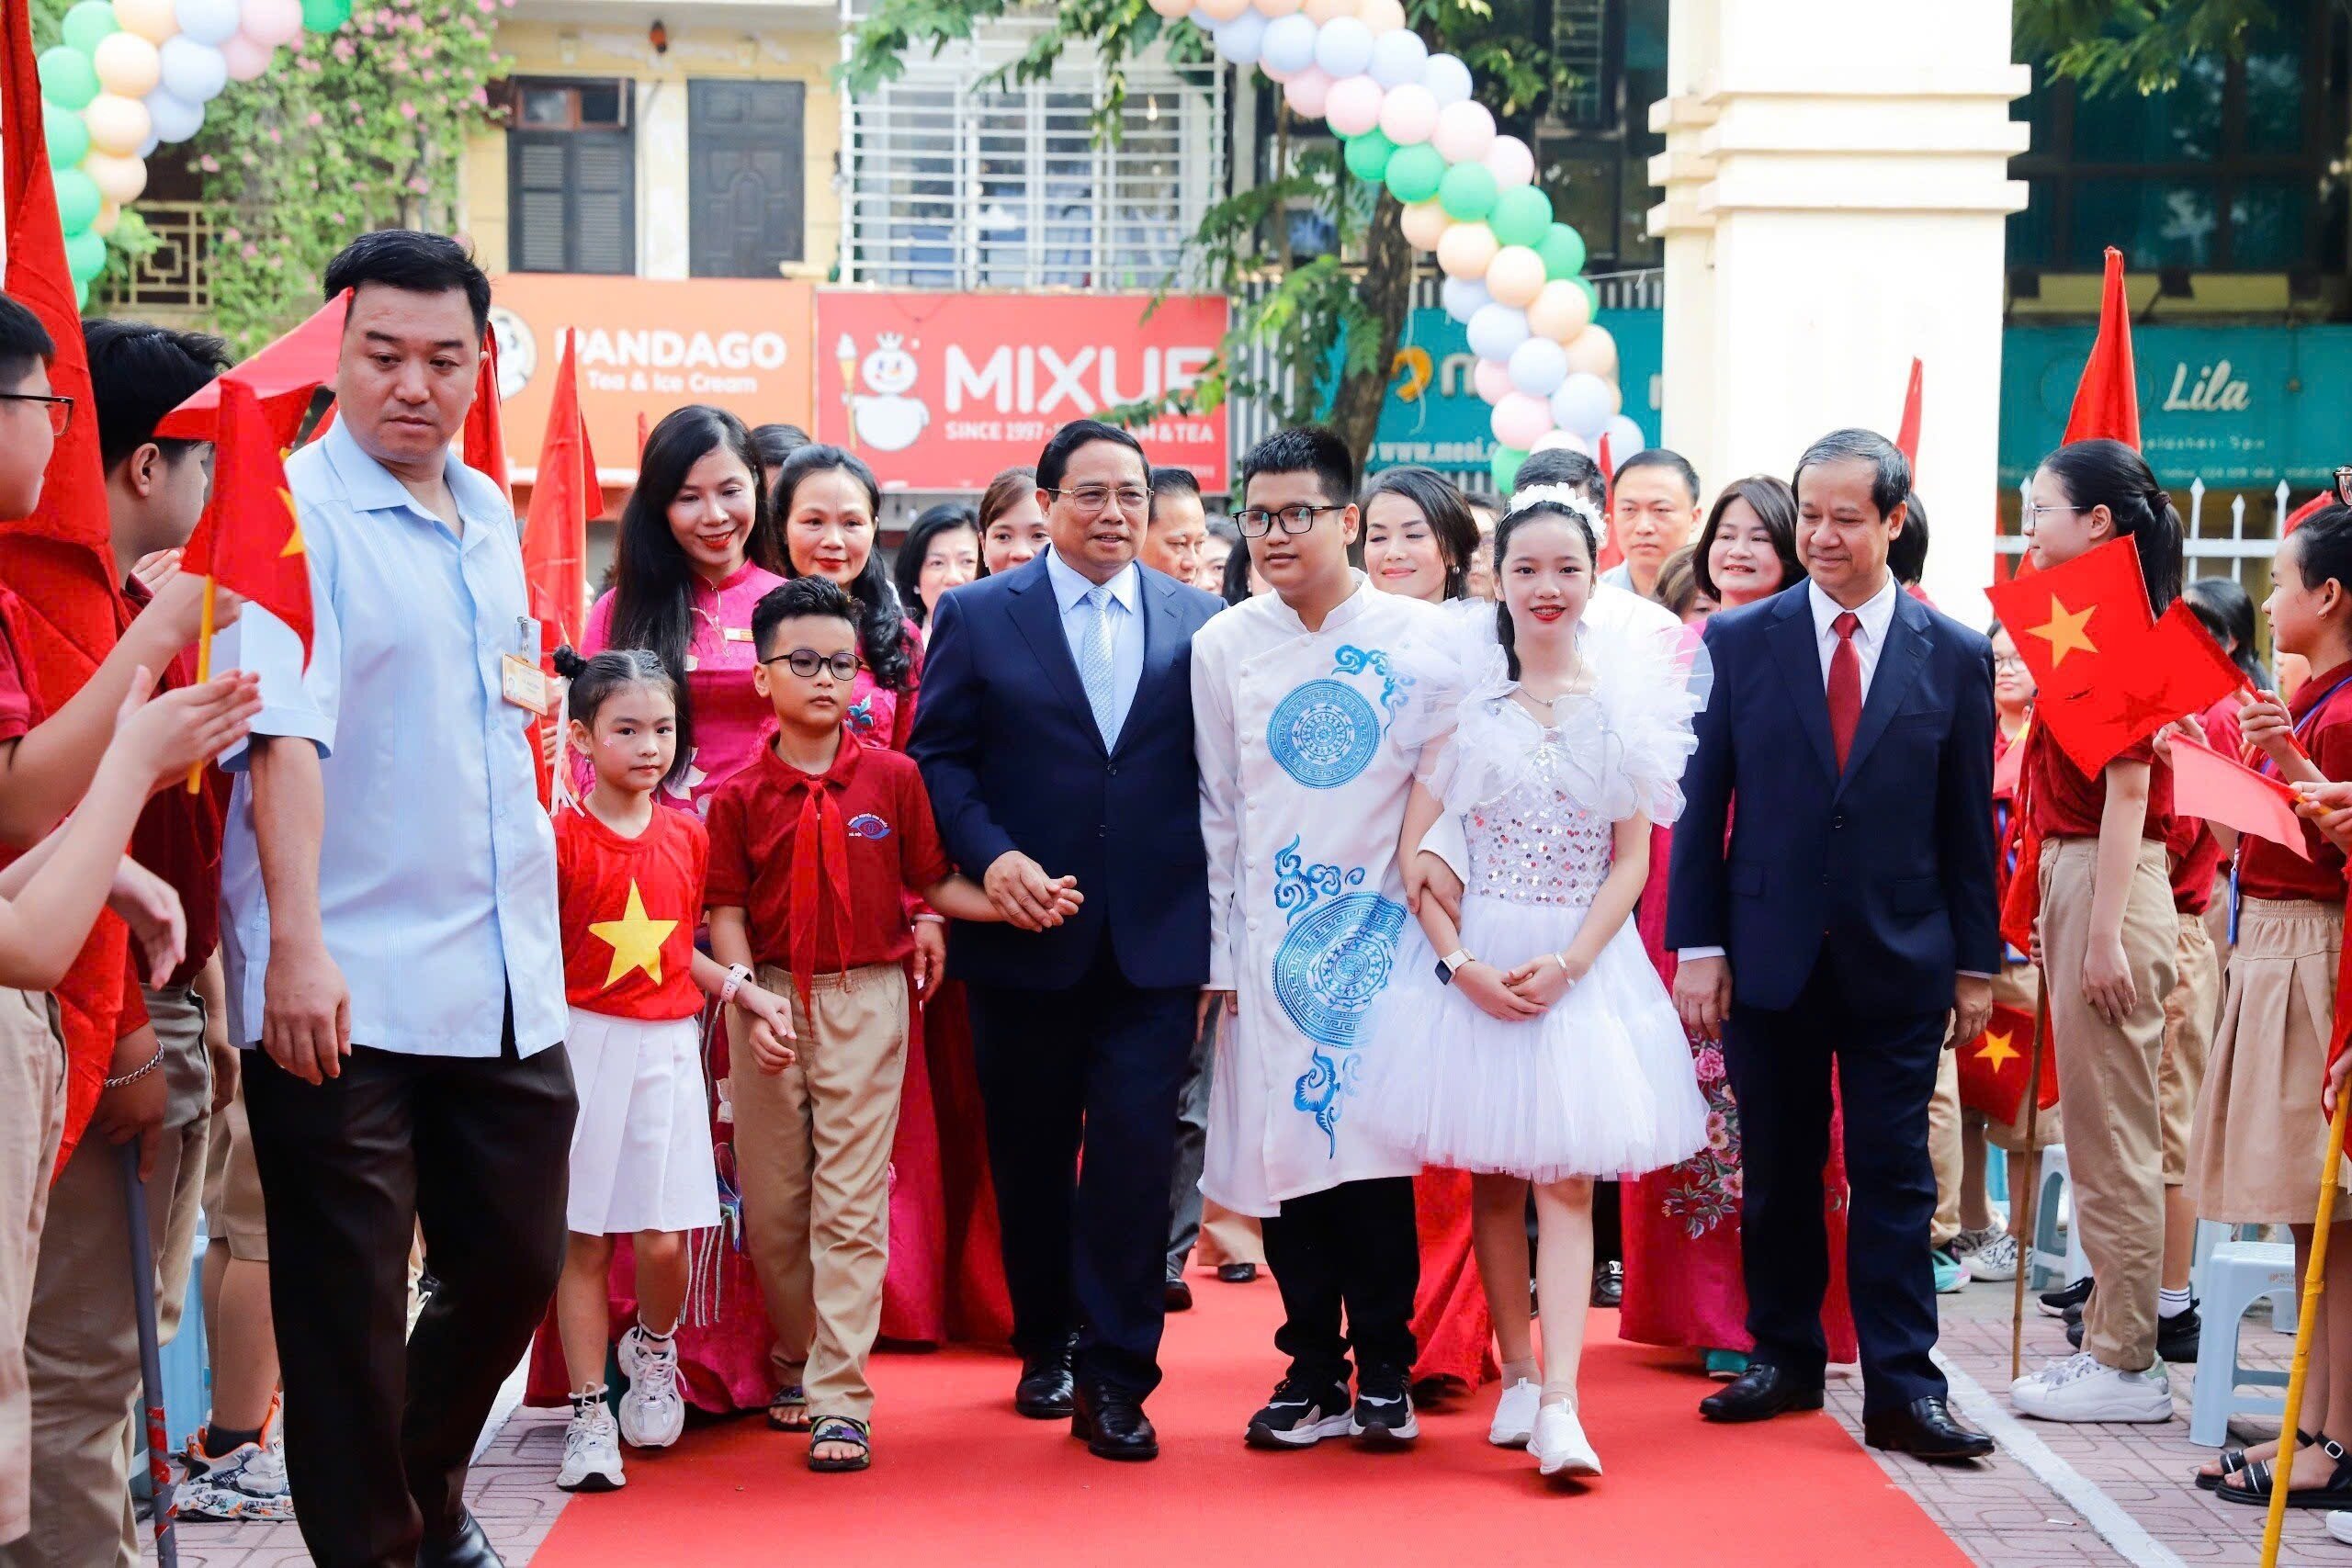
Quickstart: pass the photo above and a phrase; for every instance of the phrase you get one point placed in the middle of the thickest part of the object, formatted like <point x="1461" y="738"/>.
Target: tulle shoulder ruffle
<point x="1616" y="750"/>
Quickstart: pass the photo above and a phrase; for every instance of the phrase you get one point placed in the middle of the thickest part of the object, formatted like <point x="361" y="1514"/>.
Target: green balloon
<point x="81" y="296"/>
<point x="1368" y="155"/>
<point x="1505" y="467"/>
<point x="1467" y="192"/>
<point x="1522" y="216"/>
<point x="1562" y="249"/>
<point x="1591" y="295"/>
<point x="87" y="23"/>
<point x="77" y="200"/>
<point x="86" y="255"/>
<point x="325" y="16"/>
<point x="69" y="138"/>
<point x="1414" y="172"/>
<point x="67" y="77"/>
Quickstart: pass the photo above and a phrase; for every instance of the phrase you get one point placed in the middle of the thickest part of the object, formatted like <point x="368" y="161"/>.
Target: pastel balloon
<point x="1538" y="366"/>
<point x="1516" y="276"/>
<point x="1496" y="331"/>
<point x="1289" y="44"/>
<point x="1582" y="403"/>
<point x="1522" y="215"/>
<point x="1624" y="438"/>
<point x="1344" y="47"/>
<point x="1275" y="9"/>
<point x="1173" y="10"/>
<point x="213" y="22"/>
<point x="1504" y="466"/>
<point x="152" y="20"/>
<point x="69" y="140"/>
<point x="1201" y="20"/>
<point x="116" y="124"/>
<point x="245" y="58"/>
<point x="192" y="73"/>
<point x="1467" y="192"/>
<point x="1367" y="155"/>
<point x="118" y="180"/>
<point x="1520" y="420"/>
<point x="1322" y="11"/>
<point x="1461" y="297"/>
<point x="1239" y="39"/>
<point x="1466" y="251"/>
<point x="1490" y="378"/>
<point x="110" y="215"/>
<point x="1511" y="161"/>
<point x="78" y="199"/>
<point x="1381" y="16"/>
<point x="147" y="148"/>
<point x="1562" y="441"/>
<point x="1407" y="114"/>
<point x="1464" y="132"/>
<point x="1447" y="78"/>
<point x="1561" y="310"/>
<point x="127" y="64"/>
<point x="1414" y="176"/>
<point x="88" y="25"/>
<point x="1218" y="10"/>
<point x="1562" y="249"/>
<point x="1354" y="106"/>
<point x="1309" y="93"/>
<point x="1594" y="350"/>
<point x="325" y="16"/>
<point x="86" y="255"/>
<point x="173" y="118"/>
<point x="67" y="79"/>
<point x="1424" y="222"/>
<point x="1397" y="57"/>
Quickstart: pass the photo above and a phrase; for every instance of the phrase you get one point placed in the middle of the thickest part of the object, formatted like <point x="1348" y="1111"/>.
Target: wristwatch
<point x="737" y="976"/>
<point x="1452" y="963"/>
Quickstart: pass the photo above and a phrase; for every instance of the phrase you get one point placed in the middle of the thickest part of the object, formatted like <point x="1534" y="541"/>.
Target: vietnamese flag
<point x="248" y="540"/>
<point x="2070" y="624"/>
<point x="1996" y="1065"/>
<point x="1906" y="437"/>
<point x="563" y="498"/>
<point x="2221" y="789"/>
<point x="284" y="375"/>
<point x="2106" y="400"/>
<point x="484" y="443"/>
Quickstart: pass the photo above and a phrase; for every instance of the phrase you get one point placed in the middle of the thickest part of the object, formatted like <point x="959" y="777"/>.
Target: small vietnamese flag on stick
<point x="484" y="444"/>
<point x="2223" y="789"/>
<point x="1906" y="437"/>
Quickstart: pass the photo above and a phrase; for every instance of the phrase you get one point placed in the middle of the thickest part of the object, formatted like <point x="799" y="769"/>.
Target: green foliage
<point x="2131" y="45"/>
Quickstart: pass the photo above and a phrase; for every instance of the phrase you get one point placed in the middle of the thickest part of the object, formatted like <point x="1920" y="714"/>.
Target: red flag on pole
<point x="1612" y="553"/>
<point x="2106" y="400"/>
<point x="283" y="375"/>
<point x="484" y="446"/>
<point x="248" y="540"/>
<point x="563" y="498"/>
<point x="60" y="560"/>
<point x="2223" y="790"/>
<point x="1994" y="1065"/>
<point x="1906" y="437"/>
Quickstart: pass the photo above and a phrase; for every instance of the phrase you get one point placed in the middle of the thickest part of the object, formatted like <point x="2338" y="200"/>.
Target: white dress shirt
<point x="1876" y="615"/>
<point x="1126" y="610"/>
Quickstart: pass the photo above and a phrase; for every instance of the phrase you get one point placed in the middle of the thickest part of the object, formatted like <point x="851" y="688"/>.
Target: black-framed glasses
<point x="60" y="409"/>
<point x="806" y="661"/>
<point x="1257" y="522"/>
<point x="2344" y="486"/>
<point x="2036" y="511"/>
<point x="1095" y="499"/>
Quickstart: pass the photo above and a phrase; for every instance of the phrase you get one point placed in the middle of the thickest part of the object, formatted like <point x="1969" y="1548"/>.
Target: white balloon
<point x="1241" y="40"/>
<point x="147" y="150"/>
<point x="1462" y="297"/>
<point x="208" y="22"/>
<point x="192" y="73"/>
<point x="1538" y="366"/>
<point x="1511" y="161"/>
<point x="1288" y="44"/>
<point x="1583" y="403"/>
<point x="1344" y="47"/>
<point x="1624" y="437"/>
<point x="1398" y="57"/>
<point x="176" y="119"/>
<point x="1447" y="79"/>
<point x="1563" y="441"/>
<point x="1496" y="330"/>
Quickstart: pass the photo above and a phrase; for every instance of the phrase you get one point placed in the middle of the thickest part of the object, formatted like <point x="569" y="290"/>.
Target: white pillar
<point x="662" y="216"/>
<point x="1837" y="191"/>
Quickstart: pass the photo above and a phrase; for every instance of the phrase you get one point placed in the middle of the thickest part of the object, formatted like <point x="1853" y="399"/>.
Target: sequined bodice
<point x="1535" y="845"/>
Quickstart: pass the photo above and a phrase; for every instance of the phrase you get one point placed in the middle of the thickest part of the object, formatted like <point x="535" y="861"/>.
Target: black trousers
<point x="1779" y="1065"/>
<point x="1085" y="1242"/>
<point x="1192" y="1144"/>
<point x="1350" y="1246"/>
<point x="380" y="1424"/>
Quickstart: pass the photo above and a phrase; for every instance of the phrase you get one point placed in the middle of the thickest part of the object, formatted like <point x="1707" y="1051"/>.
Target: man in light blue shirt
<point x="390" y="935"/>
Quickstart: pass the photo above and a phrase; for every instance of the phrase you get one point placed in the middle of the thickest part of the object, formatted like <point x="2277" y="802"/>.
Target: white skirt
<point x="640" y="1149"/>
<point x="1602" y="1085"/>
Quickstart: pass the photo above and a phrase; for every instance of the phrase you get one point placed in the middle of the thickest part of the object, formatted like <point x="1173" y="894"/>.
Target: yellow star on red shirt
<point x="2064" y="631"/>
<point x="1997" y="1050"/>
<point x="635" y="939"/>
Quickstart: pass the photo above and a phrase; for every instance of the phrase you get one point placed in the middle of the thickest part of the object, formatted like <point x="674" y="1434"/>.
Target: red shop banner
<point x="944" y="391"/>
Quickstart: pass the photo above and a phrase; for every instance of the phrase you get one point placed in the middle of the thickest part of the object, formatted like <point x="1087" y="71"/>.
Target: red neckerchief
<point x="820" y="860"/>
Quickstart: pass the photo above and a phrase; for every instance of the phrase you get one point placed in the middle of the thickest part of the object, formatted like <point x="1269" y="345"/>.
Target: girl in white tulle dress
<point x="1534" y="1038"/>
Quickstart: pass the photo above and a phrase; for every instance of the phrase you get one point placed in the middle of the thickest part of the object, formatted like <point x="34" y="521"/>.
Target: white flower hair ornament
<point x="1568" y="499"/>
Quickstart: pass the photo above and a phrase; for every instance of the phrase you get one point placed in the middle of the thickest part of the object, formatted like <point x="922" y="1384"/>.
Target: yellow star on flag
<point x="1997" y="1050"/>
<point x="2063" y="631"/>
<point x="636" y="940"/>
<point x="293" y="527"/>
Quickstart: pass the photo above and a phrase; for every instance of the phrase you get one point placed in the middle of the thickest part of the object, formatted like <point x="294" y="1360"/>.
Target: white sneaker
<point x="2339" y="1525"/>
<point x="591" y="1448"/>
<point x="1997" y="1258"/>
<point x="1515" y="1414"/>
<point x="652" y="1412"/>
<point x="1559" y="1444"/>
<point x="2081" y="1388"/>
<point x="247" y="1484"/>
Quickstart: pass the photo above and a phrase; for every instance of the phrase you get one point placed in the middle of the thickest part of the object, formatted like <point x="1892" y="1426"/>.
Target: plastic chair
<point x="2051" y="1266"/>
<point x="2236" y="1274"/>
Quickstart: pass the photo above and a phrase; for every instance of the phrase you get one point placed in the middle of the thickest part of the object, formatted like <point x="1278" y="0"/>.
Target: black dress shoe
<point x="1925" y="1428"/>
<point x="1609" y="1285"/>
<point x="1114" y="1425"/>
<point x="1043" y="1393"/>
<point x="1760" y="1393"/>
<point x="466" y="1548"/>
<point x="1179" y="1296"/>
<point x="1237" y="1273"/>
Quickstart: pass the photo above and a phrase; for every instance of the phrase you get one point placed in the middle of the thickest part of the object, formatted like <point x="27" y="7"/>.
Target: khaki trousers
<point x="1943" y="1148"/>
<point x="32" y="1122"/>
<point x="2109" y="1077"/>
<point x="1227" y="1237"/>
<point x="812" y="1152"/>
<point x="2191" y="1013"/>
<point x="82" y="1348"/>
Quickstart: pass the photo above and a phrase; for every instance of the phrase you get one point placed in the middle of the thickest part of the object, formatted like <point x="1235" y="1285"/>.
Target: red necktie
<point x="1845" y="686"/>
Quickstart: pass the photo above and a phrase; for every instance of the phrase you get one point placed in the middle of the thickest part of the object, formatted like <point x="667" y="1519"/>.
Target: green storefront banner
<point x="1435" y="419"/>
<point x="2239" y="407"/>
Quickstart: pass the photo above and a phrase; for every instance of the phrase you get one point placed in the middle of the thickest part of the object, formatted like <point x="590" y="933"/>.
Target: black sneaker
<point x="1383" y="1412"/>
<point x="2177" y="1335"/>
<point x="1301" y="1415"/>
<point x="2055" y="1303"/>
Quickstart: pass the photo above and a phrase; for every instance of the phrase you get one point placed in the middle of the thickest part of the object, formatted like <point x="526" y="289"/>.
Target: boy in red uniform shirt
<point x="815" y="850"/>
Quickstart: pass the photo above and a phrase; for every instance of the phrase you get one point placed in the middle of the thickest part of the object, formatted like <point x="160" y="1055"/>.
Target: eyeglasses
<point x="1095" y="499"/>
<point x="2344" y="486"/>
<point x="2008" y="663"/>
<point x="806" y="661"/>
<point x="2036" y="511"/>
<point x="1256" y="521"/>
<point x="61" y="410"/>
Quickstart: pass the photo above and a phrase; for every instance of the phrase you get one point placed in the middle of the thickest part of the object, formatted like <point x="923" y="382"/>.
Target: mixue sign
<point x="943" y="391"/>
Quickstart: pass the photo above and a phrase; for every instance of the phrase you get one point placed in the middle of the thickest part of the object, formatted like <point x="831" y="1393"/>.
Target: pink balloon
<point x="1511" y="163"/>
<point x="1408" y="114"/>
<point x="272" y="22"/>
<point x="1520" y="420"/>
<point x="1464" y="132"/>
<point x="246" y="59"/>
<point x="1353" y="106"/>
<point x="1310" y="93"/>
<point x="1490" y="378"/>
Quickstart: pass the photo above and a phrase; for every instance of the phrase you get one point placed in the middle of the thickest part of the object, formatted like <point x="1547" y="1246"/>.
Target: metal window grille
<point x="956" y="182"/>
<point x="1579" y="43"/>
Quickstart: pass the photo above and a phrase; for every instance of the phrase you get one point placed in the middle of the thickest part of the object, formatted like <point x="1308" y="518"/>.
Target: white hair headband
<point x="1567" y="498"/>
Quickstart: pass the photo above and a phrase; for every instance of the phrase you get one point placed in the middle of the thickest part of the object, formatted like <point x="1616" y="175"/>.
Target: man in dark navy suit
<point x="1055" y="737"/>
<point x="1842" y="913"/>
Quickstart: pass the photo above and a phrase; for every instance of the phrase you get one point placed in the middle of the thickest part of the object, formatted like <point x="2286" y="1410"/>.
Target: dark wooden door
<point x="744" y="174"/>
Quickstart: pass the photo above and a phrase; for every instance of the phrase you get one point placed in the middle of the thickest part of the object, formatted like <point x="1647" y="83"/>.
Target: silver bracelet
<point x="131" y="1077"/>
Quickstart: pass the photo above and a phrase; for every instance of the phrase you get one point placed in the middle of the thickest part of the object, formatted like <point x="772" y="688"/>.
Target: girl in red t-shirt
<point x="630" y="880"/>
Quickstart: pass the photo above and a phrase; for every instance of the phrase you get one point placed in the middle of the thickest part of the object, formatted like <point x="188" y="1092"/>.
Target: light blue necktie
<point x="1097" y="661"/>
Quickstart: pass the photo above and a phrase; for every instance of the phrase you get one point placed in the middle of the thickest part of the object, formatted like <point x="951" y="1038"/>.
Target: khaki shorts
<point x="33" y="1120"/>
<point x="233" y="1212"/>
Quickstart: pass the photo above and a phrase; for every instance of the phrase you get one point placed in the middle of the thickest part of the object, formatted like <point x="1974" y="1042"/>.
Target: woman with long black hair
<point x="828" y="509"/>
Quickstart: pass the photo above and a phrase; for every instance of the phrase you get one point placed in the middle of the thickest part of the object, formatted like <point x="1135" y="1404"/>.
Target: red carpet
<point x="959" y="1480"/>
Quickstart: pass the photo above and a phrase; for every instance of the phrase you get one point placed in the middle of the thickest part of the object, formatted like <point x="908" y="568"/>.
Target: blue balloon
<point x="1464" y="297"/>
<point x="192" y="73"/>
<point x="1495" y="330"/>
<point x="1398" y="56"/>
<point x="1289" y="44"/>
<point x="176" y="119"/>
<point x="1241" y="40"/>
<point x="1344" y="47"/>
